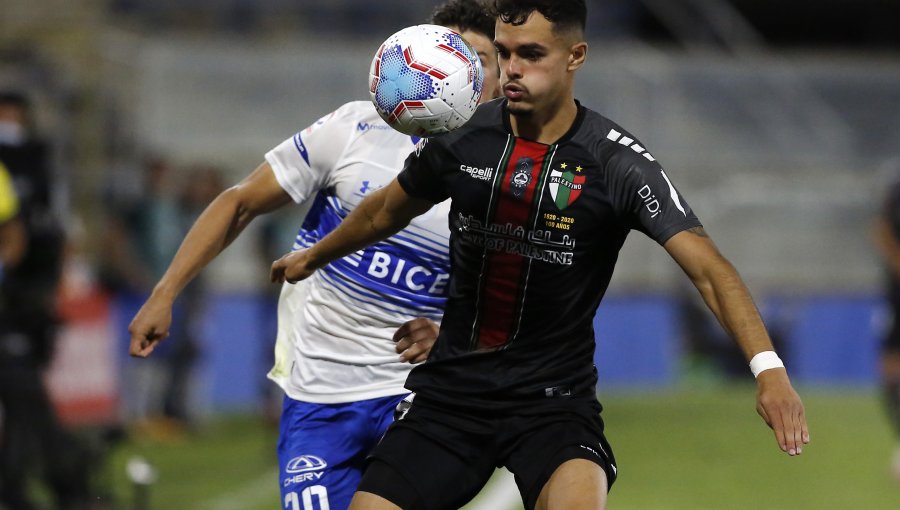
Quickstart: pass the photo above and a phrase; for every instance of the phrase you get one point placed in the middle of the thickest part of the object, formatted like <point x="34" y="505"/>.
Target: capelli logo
<point x="305" y="463"/>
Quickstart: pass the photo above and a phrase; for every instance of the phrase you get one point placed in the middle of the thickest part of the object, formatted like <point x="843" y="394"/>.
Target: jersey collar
<point x="579" y="118"/>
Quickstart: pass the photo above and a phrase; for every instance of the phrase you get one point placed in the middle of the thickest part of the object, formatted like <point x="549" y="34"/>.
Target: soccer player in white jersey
<point x="338" y="338"/>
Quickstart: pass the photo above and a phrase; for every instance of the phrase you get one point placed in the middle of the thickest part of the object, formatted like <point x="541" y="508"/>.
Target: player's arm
<point x="379" y="216"/>
<point x="728" y="298"/>
<point x="219" y="224"/>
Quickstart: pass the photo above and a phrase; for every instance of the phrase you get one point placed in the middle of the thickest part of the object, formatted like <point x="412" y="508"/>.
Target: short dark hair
<point x="465" y="15"/>
<point x="564" y="14"/>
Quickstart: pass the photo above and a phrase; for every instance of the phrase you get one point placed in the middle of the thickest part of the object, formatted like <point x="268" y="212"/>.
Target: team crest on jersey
<point x="566" y="184"/>
<point x="520" y="178"/>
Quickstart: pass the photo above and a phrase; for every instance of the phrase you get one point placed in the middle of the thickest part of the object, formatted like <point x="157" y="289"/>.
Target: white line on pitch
<point x="245" y="495"/>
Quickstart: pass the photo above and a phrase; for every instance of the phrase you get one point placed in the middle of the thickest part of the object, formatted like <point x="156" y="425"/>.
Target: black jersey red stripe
<point x="512" y="211"/>
<point x="529" y="263"/>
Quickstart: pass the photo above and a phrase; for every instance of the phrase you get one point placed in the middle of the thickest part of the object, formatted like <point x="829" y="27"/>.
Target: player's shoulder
<point x="488" y="116"/>
<point x="611" y="144"/>
<point x="357" y="121"/>
<point x="349" y="114"/>
<point x="357" y="111"/>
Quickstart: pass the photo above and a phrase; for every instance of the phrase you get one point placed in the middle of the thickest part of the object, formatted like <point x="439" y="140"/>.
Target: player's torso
<point x="535" y="240"/>
<point x="403" y="276"/>
<point x="535" y="234"/>
<point x="340" y="321"/>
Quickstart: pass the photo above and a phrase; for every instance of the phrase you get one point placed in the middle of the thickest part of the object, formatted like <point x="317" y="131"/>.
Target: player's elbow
<point x="237" y="204"/>
<point x="715" y="273"/>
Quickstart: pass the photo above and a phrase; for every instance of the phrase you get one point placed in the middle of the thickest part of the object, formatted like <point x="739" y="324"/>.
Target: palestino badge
<point x="566" y="185"/>
<point x="521" y="176"/>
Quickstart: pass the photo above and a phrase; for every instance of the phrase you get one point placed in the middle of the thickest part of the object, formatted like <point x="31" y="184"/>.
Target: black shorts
<point x="439" y="458"/>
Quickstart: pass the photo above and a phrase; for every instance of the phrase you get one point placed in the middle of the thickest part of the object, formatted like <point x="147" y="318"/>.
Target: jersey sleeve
<point x="303" y="164"/>
<point x="645" y="198"/>
<point x="421" y="177"/>
<point x="9" y="204"/>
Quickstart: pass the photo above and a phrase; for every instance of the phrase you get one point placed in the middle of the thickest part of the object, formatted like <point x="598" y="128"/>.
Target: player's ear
<point x="577" y="55"/>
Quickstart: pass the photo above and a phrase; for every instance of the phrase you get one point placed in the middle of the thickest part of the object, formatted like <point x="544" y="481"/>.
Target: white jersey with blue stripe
<point x="335" y="329"/>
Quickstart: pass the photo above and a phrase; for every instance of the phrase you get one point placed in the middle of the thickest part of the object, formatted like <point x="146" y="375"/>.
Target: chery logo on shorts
<point x="305" y="463"/>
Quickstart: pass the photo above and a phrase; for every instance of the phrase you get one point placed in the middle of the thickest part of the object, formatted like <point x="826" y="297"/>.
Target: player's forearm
<point x="728" y="298"/>
<point x="219" y="224"/>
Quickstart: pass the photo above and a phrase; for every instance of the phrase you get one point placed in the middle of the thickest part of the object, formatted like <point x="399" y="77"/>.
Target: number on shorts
<point x="292" y="502"/>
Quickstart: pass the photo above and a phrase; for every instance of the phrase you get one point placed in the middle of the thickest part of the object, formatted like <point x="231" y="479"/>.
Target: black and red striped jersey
<point x="535" y="234"/>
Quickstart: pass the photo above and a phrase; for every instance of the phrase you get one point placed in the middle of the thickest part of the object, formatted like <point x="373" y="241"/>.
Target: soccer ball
<point x="425" y="80"/>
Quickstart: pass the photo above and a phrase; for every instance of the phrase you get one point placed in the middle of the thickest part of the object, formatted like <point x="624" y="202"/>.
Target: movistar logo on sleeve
<point x="362" y="127"/>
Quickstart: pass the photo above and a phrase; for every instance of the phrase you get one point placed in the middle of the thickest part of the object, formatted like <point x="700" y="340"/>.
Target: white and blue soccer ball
<point x="425" y="80"/>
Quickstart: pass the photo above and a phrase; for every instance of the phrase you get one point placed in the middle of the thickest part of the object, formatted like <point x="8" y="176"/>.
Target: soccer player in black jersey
<point x="544" y="192"/>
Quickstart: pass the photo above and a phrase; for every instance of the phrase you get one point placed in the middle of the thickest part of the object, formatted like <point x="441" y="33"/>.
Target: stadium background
<point x="776" y="119"/>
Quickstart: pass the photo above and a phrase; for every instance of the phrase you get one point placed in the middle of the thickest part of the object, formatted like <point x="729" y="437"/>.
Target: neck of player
<point x="546" y="125"/>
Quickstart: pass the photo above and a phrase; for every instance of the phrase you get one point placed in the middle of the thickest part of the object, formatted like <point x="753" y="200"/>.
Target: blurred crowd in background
<point x="121" y="119"/>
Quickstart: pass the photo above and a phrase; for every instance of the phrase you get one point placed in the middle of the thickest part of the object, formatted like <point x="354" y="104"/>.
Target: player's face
<point x="488" y="56"/>
<point x="536" y="64"/>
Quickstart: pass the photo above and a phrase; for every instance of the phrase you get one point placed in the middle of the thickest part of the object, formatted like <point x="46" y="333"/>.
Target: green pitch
<point x="711" y="451"/>
<point x="697" y="450"/>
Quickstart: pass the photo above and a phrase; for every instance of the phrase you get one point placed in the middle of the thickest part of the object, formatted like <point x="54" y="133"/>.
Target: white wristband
<point x="764" y="361"/>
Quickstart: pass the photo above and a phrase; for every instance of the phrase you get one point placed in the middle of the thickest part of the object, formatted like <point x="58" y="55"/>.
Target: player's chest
<point x="372" y="158"/>
<point x="550" y="190"/>
<point x="370" y="164"/>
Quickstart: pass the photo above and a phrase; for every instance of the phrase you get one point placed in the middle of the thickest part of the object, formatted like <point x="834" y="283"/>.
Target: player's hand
<point x="781" y="408"/>
<point x="150" y="326"/>
<point x="292" y="268"/>
<point x="415" y="339"/>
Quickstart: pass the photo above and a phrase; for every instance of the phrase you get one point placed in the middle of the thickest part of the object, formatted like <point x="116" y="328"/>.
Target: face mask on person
<point x="11" y="133"/>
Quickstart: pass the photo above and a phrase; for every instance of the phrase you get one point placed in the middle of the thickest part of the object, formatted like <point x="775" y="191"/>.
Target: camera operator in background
<point x="32" y="440"/>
